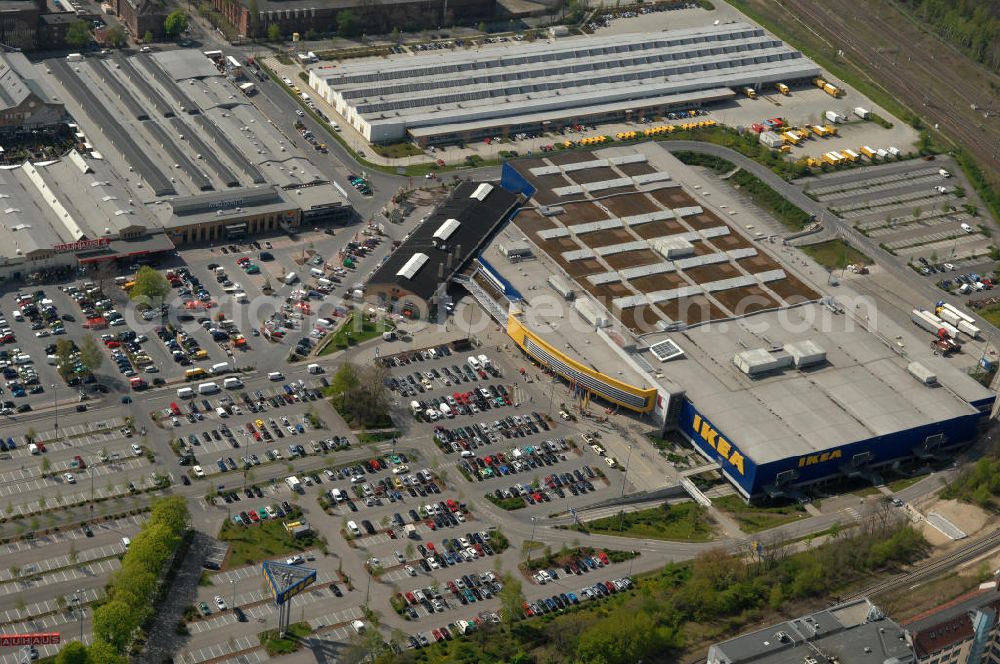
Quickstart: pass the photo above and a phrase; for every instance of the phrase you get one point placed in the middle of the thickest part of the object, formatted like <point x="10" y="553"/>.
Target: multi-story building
<point x="963" y="631"/>
<point x="19" y="23"/>
<point x="321" y="15"/>
<point x="142" y="16"/>
<point x="24" y="104"/>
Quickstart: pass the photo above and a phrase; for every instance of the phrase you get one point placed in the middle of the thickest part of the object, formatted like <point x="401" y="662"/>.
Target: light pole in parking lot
<point x="55" y="405"/>
<point x="246" y="463"/>
<point x="78" y="601"/>
<point x="621" y="520"/>
<point x="531" y="540"/>
<point x="232" y="582"/>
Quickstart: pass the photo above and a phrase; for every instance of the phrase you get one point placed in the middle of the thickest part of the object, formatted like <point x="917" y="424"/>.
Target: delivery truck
<point x="928" y="321"/>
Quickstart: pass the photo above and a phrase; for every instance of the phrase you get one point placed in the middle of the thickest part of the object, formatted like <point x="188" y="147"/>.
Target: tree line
<point x="133" y="588"/>
<point x="972" y="25"/>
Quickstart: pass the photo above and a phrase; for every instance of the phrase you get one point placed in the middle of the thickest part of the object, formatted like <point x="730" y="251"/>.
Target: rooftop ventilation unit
<point x="482" y="191"/>
<point x="805" y="353"/>
<point x="412" y="266"/>
<point x="759" y="361"/>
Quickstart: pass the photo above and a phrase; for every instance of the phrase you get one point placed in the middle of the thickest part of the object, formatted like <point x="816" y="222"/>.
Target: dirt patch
<point x="969" y="518"/>
<point x="639" y="319"/>
<point x="562" y="158"/>
<point x="792" y="290"/>
<point x="708" y="273"/>
<point x="630" y="205"/>
<point x="746" y="300"/>
<point x="659" y="229"/>
<point x="758" y="263"/>
<point x="703" y="220"/>
<point x="530" y="222"/>
<point x="606" y="238"/>
<point x="673" y="197"/>
<point x="632" y="170"/>
<point x="658" y="282"/>
<point x="582" y="268"/>
<point x="606" y="292"/>
<point x="581" y="213"/>
<point x="730" y="242"/>
<point x="691" y="310"/>
<point x="632" y="259"/>
<point x="598" y="174"/>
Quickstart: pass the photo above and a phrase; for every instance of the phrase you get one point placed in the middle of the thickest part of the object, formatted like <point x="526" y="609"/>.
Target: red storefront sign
<point x="39" y="639"/>
<point x="82" y="245"/>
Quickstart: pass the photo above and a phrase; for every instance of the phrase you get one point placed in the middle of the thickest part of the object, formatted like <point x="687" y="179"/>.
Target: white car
<point x="295" y="560"/>
<point x="198" y="471"/>
<point x="69" y="478"/>
<point x="410" y="570"/>
<point x="136" y="449"/>
<point x="358" y="626"/>
<point x="221" y="603"/>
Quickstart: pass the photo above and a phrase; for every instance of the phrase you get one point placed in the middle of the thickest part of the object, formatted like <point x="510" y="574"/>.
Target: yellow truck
<point x="867" y="151"/>
<point x="791" y="138"/>
<point x="818" y="130"/>
<point x="832" y="158"/>
<point x="851" y="155"/>
<point x="832" y="90"/>
<point x="830" y="130"/>
<point x="819" y="82"/>
<point x="750" y="93"/>
<point x="783" y="89"/>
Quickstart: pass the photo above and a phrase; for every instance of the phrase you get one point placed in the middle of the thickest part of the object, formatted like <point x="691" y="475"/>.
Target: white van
<point x="33" y="449"/>
<point x="275" y="375"/>
<point x="221" y="412"/>
<point x="221" y="367"/>
<point x="126" y="542"/>
<point x="474" y="363"/>
<point x="353" y="529"/>
<point x="185" y="393"/>
<point x="208" y="388"/>
<point x="968" y="229"/>
<point x="18" y="315"/>
<point x="314" y="369"/>
<point x="337" y="495"/>
<point x="316" y="272"/>
<point x="446" y="411"/>
<point x="232" y="383"/>
<point x="291" y="278"/>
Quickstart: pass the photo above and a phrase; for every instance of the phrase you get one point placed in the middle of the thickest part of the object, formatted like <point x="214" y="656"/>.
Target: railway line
<point x="920" y="72"/>
<point x="933" y="567"/>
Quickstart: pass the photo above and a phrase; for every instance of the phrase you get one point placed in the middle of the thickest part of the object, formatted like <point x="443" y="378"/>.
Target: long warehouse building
<point x="450" y="97"/>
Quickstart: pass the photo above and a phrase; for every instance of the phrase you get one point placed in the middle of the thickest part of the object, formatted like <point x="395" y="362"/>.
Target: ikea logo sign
<point x="813" y="459"/>
<point x="715" y="440"/>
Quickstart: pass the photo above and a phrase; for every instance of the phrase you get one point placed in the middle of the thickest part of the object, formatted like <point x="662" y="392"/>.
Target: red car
<point x="603" y="556"/>
<point x="527" y="609"/>
<point x="437" y="635"/>
<point x="175" y="409"/>
<point x="410" y="599"/>
<point x="430" y="524"/>
<point x="81" y="464"/>
<point x="253" y="516"/>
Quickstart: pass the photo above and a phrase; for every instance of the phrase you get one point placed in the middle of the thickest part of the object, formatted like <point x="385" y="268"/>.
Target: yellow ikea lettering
<point x="819" y="458"/>
<point x="718" y="443"/>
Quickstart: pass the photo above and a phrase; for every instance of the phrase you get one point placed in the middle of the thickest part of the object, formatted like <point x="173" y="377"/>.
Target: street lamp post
<point x="232" y="582"/>
<point x="621" y="519"/>
<point x="79" y="610"/>
<point x="246" y="464"/>
<point x="55" y="405"/>
<point x="531" y="540"/>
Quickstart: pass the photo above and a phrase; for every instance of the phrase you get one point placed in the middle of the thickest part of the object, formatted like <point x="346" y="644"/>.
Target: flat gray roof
<point x="852" y="633"/>
<point x="184" y="130"/>
<point x="452" y="87"/>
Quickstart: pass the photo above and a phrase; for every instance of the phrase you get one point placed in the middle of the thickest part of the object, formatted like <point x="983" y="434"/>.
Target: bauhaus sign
<point x="81" y="245"/>
<point x="37" y="639"/>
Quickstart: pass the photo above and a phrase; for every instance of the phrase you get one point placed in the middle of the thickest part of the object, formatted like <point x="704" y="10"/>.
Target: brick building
<point x="141" y="16"/>
<point x="377" y="16"/>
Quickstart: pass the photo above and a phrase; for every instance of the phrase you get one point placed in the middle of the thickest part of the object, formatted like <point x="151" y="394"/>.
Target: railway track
<point x="916" y="71"/>
<point x="932" y="568"/>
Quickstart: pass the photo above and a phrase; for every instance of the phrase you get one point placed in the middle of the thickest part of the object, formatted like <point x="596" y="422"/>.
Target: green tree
<point x="623" y="638"/>
<point x="511" y="598"/>
<point x="175" y="23"/>
<point x="116" y="36"/>
<point x="274" y="32"/>
<point x="102" y="652"/>
<point x="481" y="27"/>
<point x="395" y="36"/>
<point x="150" y="287"/>
<point x="46" y="466"/>
<point x="148" y="37"/>
<point x="78" y="34"/>
<point x="73" y="652"/>
<point x="114" y="623"/>
<point x="348" y="23"/>
<point x="64" y="356"/>
<point x="90" y="354"/>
